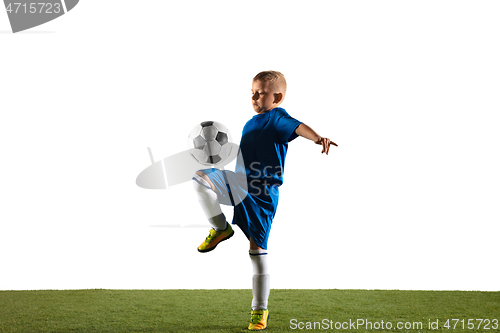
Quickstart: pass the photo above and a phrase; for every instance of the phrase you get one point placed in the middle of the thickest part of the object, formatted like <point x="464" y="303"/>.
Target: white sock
<point x="261" y="279"/>
<point x="209" y="203"/>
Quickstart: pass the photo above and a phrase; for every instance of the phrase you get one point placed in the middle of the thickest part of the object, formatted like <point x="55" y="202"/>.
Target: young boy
<point x="253" y="188"/>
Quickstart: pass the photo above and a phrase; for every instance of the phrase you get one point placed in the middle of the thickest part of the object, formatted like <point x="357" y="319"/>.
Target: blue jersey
<point x="264" y="144"/>
<point x="260" y="166"/>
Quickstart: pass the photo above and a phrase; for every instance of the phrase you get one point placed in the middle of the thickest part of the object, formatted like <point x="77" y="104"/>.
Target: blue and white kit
<point x="253" y="187"/>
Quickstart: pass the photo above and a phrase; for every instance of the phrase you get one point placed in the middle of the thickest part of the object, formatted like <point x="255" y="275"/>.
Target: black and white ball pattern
<point x="210" y="142"/>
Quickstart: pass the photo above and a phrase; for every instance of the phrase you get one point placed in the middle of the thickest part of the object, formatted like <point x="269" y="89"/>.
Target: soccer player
<point x="253" y="187"/>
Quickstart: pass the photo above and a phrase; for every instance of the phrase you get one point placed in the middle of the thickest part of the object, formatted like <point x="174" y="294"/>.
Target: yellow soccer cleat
<point x="214" y="238"/>
<point x="258" y="321"/>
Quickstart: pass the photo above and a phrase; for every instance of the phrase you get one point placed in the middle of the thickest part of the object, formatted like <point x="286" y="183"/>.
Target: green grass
<point x="228" y="310"/>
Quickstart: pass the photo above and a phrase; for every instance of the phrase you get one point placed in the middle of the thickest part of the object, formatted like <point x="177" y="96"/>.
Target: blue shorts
<point x="254" y="202"/>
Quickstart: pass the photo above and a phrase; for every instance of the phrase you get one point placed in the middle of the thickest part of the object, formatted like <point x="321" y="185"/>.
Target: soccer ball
<point x="209" y="143"/>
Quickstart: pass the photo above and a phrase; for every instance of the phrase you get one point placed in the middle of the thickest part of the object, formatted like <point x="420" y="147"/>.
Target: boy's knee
<point x="203" y="176"/>
<point x="254" y="246"/>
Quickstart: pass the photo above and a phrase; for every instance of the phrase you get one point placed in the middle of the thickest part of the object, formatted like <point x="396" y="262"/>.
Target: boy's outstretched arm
<point x="307" y="132"/>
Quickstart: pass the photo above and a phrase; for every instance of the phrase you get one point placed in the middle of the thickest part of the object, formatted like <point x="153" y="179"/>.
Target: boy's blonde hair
<point x="273" y="76"/>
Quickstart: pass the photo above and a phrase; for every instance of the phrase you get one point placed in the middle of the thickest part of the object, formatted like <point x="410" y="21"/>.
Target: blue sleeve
<point x="285" y="126"/>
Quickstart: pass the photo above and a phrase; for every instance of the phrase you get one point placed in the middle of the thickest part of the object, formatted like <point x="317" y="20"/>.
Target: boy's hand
<point x="325" y="142"/>
<point x="308" y="133"/>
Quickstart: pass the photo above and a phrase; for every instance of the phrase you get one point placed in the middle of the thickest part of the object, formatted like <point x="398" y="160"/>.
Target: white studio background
<point x="409" y="91"/>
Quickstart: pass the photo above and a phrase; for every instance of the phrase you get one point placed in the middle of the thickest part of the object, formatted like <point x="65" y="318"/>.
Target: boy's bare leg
<point x="254" y="246"/>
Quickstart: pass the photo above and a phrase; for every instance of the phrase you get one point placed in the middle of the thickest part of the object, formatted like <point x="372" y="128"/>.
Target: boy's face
<point x="265" y="96"/>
